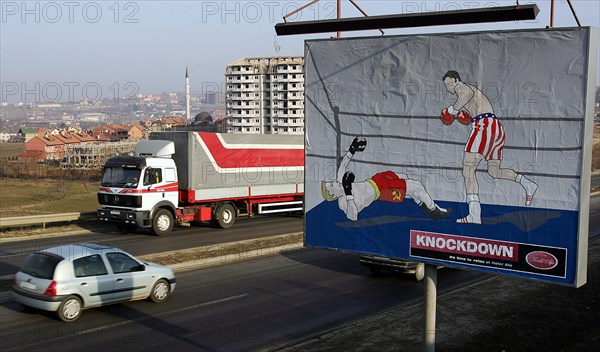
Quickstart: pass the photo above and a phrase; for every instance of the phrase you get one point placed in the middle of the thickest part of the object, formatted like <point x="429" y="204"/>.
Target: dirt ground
<point x="499" y="314"/>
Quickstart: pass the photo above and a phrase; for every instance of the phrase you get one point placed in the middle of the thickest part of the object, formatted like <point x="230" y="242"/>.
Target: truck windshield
<point x="120" y="177"/>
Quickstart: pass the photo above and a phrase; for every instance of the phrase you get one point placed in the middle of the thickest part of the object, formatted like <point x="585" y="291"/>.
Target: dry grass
<point x="11" y="149"/>
<point x="30" y="197"/>
<point x="223" y="249"/>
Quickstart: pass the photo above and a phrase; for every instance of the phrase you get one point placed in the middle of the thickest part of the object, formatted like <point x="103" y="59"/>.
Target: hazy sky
<point x="61" y="50"/>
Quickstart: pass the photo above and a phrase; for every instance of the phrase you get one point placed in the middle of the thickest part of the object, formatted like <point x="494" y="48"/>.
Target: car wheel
<point x="225" y="216"/>
<point x="160" y="291"/>
<point x="162" y="223"/>
<point x="420" y="272"/>
<point x="70" y="309"/>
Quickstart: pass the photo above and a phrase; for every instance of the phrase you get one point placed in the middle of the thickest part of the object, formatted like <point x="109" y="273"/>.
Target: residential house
<point x="118" y="132"/>
<point x="121" y="131"/>
<point x="46" y="147"/>
<point x="83" y="138"/>
<point x="67" y="138"/>
<point x="135" y="132"/>
<point x="168" y="124"/>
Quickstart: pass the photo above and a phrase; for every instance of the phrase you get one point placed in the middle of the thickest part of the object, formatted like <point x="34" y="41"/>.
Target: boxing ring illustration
<point x="384" y="91"/>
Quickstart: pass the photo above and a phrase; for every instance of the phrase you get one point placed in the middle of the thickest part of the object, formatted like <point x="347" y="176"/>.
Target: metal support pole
<point x="430" y="307"/>
<point x="574" y="14"/>
<point x="551" y="13"/>
<point x="339" y="15"/>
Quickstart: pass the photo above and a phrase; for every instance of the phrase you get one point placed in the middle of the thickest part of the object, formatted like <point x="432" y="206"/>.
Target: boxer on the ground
<point x="386" y="186"/>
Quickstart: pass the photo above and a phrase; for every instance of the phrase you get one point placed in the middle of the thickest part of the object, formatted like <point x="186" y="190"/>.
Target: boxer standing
<point x="486" y="141"/>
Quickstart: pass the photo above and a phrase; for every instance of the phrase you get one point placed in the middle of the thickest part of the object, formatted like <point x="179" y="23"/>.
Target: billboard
<point x="468" y="150"/>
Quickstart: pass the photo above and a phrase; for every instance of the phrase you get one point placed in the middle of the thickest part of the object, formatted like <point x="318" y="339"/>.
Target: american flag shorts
<point x="487" y="137"/>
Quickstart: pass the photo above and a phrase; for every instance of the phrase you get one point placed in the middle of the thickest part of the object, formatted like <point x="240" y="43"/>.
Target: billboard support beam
<point x="430" y="307"/>
<point x="490" y="14"/>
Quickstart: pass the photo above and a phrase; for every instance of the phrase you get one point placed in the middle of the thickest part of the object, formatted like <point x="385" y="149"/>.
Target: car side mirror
<point x="141" y="267"/>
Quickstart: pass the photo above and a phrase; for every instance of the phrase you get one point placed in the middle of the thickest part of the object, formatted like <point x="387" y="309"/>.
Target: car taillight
<point x="51" y="290"/>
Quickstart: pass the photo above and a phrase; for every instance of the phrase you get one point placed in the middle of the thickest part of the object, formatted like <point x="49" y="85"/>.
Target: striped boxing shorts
<point x="487" y="137"/>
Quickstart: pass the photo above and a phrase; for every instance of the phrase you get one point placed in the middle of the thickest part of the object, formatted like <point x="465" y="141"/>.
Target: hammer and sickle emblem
<point x="397" y="195"/>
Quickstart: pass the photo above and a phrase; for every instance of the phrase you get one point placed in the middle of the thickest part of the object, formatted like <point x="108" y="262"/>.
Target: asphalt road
<point x="143" y="242"/>
<point x="251" y="305"/>
<point x="236" y="307"/>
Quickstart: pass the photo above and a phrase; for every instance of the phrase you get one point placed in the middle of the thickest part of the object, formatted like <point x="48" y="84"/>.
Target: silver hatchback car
<point x="69" y="278"/>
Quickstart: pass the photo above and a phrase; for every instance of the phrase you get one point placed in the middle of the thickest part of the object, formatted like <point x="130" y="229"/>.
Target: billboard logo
<point x="541" y="260"/>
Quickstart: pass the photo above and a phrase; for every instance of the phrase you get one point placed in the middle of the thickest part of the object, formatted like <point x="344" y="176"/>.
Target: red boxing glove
<point x="464" y="117"/>
<point x="446" y="117"/>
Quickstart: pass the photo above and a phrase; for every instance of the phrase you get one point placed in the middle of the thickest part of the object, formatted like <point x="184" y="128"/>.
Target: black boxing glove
<point x="347" y="182"/>
<point x="358" y="144"/>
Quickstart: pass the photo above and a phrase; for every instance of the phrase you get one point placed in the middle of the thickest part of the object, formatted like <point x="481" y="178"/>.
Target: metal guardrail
<point x="44" y="219"/>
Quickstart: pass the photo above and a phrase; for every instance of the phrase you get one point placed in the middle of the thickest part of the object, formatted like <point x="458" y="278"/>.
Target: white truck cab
<point x="141" y="190"/>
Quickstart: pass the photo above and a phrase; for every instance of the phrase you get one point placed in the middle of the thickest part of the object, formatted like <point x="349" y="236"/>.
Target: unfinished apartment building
<point x="265" y="95"/>
<point x="93" y="156"/>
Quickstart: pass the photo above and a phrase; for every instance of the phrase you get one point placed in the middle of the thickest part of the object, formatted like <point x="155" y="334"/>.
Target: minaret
<point x="187" y="95"/>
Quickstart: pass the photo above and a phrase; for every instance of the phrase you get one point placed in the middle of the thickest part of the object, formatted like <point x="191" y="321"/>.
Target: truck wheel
<point x="162" y="223"/>
<point x="225" y="216"/>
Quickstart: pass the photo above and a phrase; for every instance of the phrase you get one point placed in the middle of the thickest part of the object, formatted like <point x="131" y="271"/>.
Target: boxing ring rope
<point x="336" y="126"/>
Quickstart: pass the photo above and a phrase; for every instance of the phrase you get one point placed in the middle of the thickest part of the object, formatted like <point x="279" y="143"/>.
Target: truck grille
<point x="120" y="200"/>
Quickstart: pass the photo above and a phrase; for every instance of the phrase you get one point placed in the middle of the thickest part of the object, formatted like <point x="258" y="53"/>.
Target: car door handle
<point x="84" y="284"/>
<point x="119" y="280"/>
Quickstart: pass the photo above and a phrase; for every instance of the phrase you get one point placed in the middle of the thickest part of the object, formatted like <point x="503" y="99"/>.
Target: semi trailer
<point x="186" y="177"/>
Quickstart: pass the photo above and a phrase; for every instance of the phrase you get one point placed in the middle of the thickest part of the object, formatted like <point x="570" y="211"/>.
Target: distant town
<point x="53" y="132"/>
<point x="264" y="95"/>
<point x="85" y="114"/>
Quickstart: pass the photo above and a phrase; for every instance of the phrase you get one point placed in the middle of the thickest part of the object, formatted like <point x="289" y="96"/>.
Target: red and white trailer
<point x="183" y="177"/>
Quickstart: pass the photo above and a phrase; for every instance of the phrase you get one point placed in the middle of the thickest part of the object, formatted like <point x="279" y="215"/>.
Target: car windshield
<point x="40" y="265"/>
<point x="120" y="177"/>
